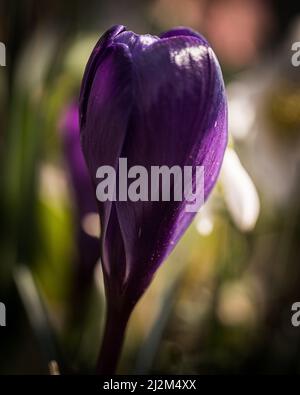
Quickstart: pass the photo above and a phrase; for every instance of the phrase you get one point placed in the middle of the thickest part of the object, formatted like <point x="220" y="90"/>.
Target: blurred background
<point x="222" y="302"/>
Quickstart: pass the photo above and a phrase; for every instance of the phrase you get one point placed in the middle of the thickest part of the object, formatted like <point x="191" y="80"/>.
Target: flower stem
<point x="113" y="339"/>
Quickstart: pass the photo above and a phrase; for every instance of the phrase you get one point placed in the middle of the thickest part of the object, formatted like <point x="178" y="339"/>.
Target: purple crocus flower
<point x="155" y="101"/>
<point x="85" y="201"/>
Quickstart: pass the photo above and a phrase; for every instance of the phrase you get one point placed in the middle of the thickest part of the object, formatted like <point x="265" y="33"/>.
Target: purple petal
<point x="91" y="68"/>
<point x="179" y="119"/>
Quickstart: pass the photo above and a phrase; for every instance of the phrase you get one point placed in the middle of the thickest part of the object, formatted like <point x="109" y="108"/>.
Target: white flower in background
<point x="205" y="220"/>
<point x="240" y="194"/>
<point x="241" y="111"/>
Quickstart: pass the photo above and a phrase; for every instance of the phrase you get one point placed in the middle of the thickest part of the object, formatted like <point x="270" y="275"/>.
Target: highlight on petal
<point x="184" y="31"/>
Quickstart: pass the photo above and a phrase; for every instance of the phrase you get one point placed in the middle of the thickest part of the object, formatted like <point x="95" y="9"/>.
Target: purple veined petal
<point x="104" y="130"/>
<point x="183" y="31"/>
<point x="179" y="118"/>
<point x="136" y="42"/>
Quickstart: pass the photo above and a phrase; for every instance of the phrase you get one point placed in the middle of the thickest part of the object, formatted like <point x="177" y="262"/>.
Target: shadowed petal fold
<point x="106" y="115"/>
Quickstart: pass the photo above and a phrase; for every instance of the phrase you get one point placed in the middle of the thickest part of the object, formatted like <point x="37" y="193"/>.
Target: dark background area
<point x="222" y="303"/>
